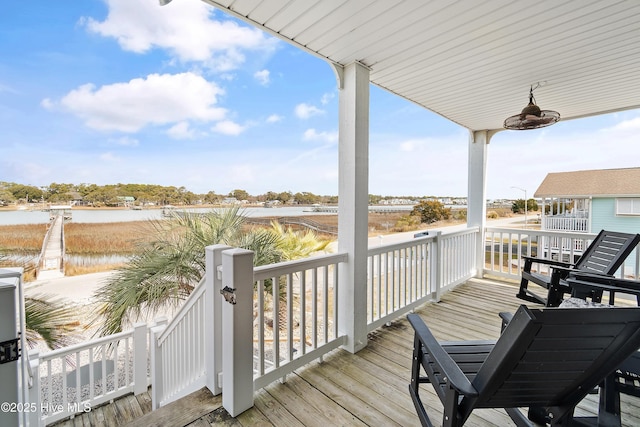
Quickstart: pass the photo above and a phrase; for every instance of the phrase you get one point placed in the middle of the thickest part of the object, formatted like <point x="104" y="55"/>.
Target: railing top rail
<point x="65" y="351"/>
<point x="377" y="250"/>
<point x="468" y="230"/>
<point x="286" y="267"/>
<point x="418" y="241"/>
<point x="552" y="233"/>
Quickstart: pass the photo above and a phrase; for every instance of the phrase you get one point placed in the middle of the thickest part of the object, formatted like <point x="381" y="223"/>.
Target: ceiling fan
<point x="531" y="116"/>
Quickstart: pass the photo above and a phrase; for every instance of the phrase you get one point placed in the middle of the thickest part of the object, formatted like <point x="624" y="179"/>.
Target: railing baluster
<point x="261" y="327"/>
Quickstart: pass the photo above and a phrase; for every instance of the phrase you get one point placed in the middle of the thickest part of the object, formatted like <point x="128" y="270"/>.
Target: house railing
<point x="505" y="248"/>
<point x="75" y="379"/>
<point x="296" y="315"/>
<point x="404" y="275"/>
<point x="571" y="223"/>
<point x="177" y="371"/>
<point x="293" y="304"/>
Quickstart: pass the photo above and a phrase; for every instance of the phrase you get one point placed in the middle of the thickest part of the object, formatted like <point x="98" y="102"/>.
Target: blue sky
<point x="126" y="91"/>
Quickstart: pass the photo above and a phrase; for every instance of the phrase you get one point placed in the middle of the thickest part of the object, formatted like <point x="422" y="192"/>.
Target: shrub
<point x="431" y="211"/>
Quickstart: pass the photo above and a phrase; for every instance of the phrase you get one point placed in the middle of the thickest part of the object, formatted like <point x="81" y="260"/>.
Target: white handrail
<point x="101" y="370"/>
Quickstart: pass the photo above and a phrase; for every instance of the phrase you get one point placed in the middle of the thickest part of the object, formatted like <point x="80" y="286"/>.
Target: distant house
<point x="76" y="198"/>
<point x="591" y="200"/>
<point x="126" y="201"/>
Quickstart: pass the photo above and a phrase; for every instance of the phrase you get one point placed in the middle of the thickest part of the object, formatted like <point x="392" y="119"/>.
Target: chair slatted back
<point x="607" y="252"/>
<point x="554" y="356"/>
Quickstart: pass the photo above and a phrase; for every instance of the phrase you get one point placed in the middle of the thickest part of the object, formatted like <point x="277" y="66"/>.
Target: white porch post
<point x="9" y="368"/>
<point x="157" y="379"/>
<point x="477" y="190"/>
<point x="140" y="341"/>
<point x="213" y="316"/>
<point x="353" y="203"/>
<point x="237" y="330"/>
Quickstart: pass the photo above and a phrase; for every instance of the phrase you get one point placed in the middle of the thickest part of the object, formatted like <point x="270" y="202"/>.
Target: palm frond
<point x="165" y="271"/>
<point x="49" y="320"/>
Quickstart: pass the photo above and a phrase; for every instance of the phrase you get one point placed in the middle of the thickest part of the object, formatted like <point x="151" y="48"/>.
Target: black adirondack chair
<point x="626" y="378"/>
<point x="604" y="256"/>
<point x="546" y="360"/>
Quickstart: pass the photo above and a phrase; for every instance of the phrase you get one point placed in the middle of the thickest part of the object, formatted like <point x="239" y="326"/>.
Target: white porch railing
<point x="571" y="223"/>
<point x="505" y="248"/>
<point x="77" y="378"/>
<point x="296" y="315"/>
<point x="178" y="358"/>
<point x="404" y="275"/>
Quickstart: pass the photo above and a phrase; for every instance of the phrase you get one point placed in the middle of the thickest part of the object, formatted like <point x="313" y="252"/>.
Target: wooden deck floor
<point x="365" y="389"/>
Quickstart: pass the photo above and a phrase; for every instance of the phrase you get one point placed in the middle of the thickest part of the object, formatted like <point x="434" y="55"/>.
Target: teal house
<point x="592" y="200"/>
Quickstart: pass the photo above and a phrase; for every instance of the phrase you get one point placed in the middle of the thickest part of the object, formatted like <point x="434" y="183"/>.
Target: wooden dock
<point x="369" y="388"/>
<point x="52" y="256"/>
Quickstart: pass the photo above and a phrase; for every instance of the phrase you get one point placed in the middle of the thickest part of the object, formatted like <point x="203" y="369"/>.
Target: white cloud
<point x="185" y="28"/>
<point x="47" y="104"/>
<point x="228" y="127"/>
<point x="126" y="141"/>
<point x="156" y="99"/>
<point x="274" y="118"/>
<point x="631" y="125"/>
<point x="109" y="157"/>
<point x="304" y="111"/>
<point x="181" y="130"/>
<point x="313" y="135"/>
<point x="262" y="77"/>
<point x="327" y="97"/>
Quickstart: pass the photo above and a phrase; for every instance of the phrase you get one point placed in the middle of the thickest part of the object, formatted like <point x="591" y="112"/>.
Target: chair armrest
<point x="506" y="317"/>
<point x="445" y="364"/>
<point x="548" y="261"/>
<point x="604" y="283"/>
<point x="601" y="278"/>
<point x="561" y="271"/>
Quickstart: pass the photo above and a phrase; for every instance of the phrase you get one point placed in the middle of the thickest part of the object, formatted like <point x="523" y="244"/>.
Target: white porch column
<point x="9" y="370"/>
<point x="213" y="316"/>
<point x="353" y="203"/>
<point x="13" y="354"/>
<point x="237" y="330"/>
<point x="477" y="190"/>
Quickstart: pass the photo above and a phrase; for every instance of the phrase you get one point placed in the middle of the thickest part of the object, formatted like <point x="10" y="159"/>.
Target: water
<point x="127" y="215"/>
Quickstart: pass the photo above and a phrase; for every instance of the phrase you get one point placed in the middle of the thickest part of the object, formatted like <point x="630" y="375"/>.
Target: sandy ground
<point x="76" y="289"/>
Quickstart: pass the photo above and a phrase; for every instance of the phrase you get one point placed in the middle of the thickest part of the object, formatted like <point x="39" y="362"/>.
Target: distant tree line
<point x="145" y="194"/>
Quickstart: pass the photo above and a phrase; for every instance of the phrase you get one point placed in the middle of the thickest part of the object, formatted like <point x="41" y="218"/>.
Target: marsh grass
<point x="115" y="238"/>
<point x="94" y="246"/>
<point x="23" y="238"/>
<point x="20" y="246"/>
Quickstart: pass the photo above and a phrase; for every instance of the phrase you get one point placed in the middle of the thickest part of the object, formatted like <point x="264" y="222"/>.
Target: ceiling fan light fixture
<point x="531" y="117"/>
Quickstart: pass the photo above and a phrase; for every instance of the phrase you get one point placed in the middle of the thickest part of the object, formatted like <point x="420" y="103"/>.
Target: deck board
<point x="368" y="388"/>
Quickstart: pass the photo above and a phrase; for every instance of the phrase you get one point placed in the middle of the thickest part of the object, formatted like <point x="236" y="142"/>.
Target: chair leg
<point x="609" y="407"/>
<point x="555" y="296"/>
<point x="523" y="286"/>
<point x="522" y="293"/>
<point x="414" y="386"/>
<point x="417" y="403"/>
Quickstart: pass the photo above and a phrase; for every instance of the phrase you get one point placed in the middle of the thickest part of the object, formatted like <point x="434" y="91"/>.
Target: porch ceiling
<point x="472" y="62"/>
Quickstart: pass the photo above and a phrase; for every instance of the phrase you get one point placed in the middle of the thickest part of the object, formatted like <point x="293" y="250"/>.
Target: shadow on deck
<point x="369" y="388"/>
